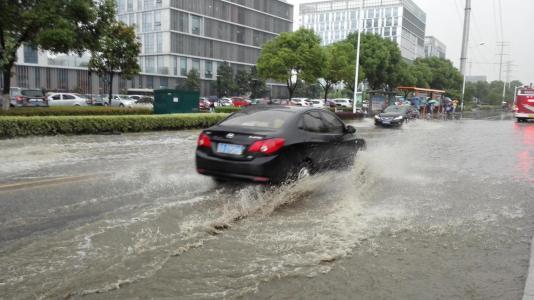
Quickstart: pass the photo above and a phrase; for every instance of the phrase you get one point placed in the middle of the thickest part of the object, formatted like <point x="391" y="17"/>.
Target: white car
<point x="122" y="101"/>
<point x="301" y="102"/>
<point x="317" y="103"/>
<point x="343" y="102"/>
<point x="226" y="102"/>
<point x="67" y="99"/>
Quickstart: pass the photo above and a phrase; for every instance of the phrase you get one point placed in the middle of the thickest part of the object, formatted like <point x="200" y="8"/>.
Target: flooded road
<point x="435" y="210"/>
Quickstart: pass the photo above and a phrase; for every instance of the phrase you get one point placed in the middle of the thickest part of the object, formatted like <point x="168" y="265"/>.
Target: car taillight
<point x="204" y="141"/>
<point x="268" y="147"/>
<point x="19" y="98"/>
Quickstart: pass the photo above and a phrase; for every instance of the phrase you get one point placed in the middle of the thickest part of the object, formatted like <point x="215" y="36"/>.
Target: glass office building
<point x="176" y="36"/>
<point x="401" y="21"/>
<point x="434" y="47"/>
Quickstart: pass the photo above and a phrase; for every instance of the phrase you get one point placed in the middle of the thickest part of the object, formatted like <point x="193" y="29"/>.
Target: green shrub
<point x="74" y="111"/>
<point x="25" y="126"/>
<point x="227" y="109"/>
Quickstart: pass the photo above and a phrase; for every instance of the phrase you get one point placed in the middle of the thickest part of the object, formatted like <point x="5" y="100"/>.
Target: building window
<point x="208" y="72"/>
<point x="129" y="5"/>
<point x="183" y="66"/>
<point x="159" y="42"/>
<point x="196" y="65"/>
<point x="147" y="22"/>
<point x="149" y="43"/>
<point x="150" y="64"/>
<point x="157" y="20"/>
<point x="163" y="82"/>
<point x="30" y="55"/>
<point x="196" y="25"/>
<point x="150" y="82"/>
<point x="174" y="65"/>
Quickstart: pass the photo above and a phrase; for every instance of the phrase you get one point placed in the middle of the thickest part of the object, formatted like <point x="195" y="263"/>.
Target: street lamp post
<point x="360" y="25"/>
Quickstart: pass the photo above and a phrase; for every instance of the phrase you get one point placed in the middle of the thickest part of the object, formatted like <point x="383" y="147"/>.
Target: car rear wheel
<point x="121" y="105"/>
<point x="304" y="170"/>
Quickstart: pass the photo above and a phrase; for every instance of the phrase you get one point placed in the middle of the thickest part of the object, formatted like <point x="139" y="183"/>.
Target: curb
<point x="528" y="293"/>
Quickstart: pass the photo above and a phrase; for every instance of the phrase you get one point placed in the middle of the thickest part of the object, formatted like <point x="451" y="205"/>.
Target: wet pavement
<point x="434" y="210"/>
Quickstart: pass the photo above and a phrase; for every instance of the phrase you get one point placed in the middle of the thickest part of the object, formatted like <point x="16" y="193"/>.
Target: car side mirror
<point x="350" y="129"/>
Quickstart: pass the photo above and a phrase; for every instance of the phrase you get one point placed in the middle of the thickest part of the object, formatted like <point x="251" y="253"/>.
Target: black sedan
<point x="273" y="144"/>
<point x="394" y="115"/>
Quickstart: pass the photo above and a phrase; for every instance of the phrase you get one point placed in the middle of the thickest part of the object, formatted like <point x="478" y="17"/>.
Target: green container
<point x="168" y="101"/>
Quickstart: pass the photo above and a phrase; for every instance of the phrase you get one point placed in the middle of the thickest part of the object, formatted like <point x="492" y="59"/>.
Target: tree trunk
<point x="110" y="86"/>
<point x="5" y="91"/>
<point x="326" y="90"/>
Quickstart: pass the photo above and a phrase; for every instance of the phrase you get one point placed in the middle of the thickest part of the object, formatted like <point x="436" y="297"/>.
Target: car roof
<point x="285" y="108"/>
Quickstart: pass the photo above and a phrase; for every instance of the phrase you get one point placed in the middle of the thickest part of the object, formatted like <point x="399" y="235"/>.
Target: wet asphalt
<point x="433" y="210"/>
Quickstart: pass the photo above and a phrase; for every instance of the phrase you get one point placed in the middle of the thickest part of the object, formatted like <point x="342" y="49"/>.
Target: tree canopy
<point x="56" y="25"/>
<point x="116" y="53"/>
<point x="192" y="82"/>
<point x="339" y="62"/>
<point x="292" y="57"/>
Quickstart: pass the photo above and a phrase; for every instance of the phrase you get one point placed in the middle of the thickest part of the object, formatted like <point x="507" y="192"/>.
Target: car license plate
<point x="35" y="100"/>
<point x="386" y="122"/>
<point x="230" y="149"/>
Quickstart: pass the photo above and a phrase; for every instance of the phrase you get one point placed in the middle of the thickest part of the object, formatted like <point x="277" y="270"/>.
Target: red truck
<point x="524" y="104"/>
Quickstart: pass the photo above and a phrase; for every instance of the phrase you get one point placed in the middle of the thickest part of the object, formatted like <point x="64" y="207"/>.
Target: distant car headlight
<point x="398" y="118"/>
<point x="377" y="117"/>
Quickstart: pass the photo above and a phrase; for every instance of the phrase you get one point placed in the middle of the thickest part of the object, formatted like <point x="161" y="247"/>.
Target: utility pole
<point x="465" y="39"/>
<point x="465" y="46"/>
<point x="508" y="71"/>
<point x="501" y="54"/>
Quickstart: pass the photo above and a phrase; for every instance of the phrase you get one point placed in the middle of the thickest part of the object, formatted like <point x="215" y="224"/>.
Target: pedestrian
<point x="212" y="106"/>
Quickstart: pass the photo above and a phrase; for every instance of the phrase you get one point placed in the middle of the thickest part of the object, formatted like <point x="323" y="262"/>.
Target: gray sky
<point x="445" y="22"/>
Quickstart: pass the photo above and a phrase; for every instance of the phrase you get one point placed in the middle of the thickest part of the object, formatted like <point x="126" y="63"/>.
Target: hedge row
<point x="26" y="126"/>
<point x="227" y="109"/>
<point x="74" y="111"/>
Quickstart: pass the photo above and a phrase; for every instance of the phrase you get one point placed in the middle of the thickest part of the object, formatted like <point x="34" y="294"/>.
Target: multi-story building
<point x="401" y="21"/>
<point x="176" y="36"/>
<point x="434" y="47"/>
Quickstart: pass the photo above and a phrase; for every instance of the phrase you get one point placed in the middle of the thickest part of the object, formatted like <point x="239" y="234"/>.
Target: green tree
<point x="116" y="53"/>
<point x="379" y="61"/>
<point x="258" y="87"/>
<point x="444" y="76"/>
<point x="56" y="25"/>
<point x="192" y="82"/>
<point x="338" y="65"/>
<point x="242" y="82"/>
<point x="225" y="80"/>
<point x="292" y="57"/>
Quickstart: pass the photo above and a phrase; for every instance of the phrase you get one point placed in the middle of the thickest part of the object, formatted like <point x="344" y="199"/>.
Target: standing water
<point x="432" y="210"/>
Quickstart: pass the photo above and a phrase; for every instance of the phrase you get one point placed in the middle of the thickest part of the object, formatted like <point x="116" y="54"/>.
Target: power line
<point x="501" y="54"/>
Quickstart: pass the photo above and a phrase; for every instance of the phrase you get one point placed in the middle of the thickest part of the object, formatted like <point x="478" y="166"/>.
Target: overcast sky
<point x="445" y="22"/>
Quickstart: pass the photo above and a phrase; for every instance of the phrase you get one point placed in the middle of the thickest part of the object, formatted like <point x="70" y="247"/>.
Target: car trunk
<point x="233" y="144"/>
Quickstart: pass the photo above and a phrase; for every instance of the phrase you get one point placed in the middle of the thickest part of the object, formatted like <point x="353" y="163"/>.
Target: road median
<point x="16" y="126"/>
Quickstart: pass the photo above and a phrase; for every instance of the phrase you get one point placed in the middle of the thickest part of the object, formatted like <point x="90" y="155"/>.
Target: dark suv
<point x="23" y="97"/>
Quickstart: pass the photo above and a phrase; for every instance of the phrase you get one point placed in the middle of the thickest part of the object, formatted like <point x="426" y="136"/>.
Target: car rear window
<point x="32" y="93"/>
<point x="271" y="119"/>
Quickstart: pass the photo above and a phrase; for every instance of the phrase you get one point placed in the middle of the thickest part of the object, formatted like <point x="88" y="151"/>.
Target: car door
<point x="69" y="100"/>
<point x="54" y="100"/>
<point x="313" y="126"/>
<point x="342" y="145"/>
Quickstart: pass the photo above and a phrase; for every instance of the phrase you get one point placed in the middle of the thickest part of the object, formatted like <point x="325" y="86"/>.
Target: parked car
<point x="97" y="100"/>
<point x="260" y="101"/>
<point x="22" y="97"/>
<point x="318" y="103"/>
<point x="203" y="104"/>
<point x="275" y="143"/>
<point x="122" y="101"/>
<point x="67" y="99"/>
<point x="144" y="102"/>
<point x="240" y="102"/>
<point x="301" y="102"/>
<point x="226" y="102"/>
<point x="393" y="116"/>
<point x="343" y="103"/>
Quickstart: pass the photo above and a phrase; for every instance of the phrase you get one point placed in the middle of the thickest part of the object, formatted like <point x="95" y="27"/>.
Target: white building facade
<point x="401" y="21"/>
